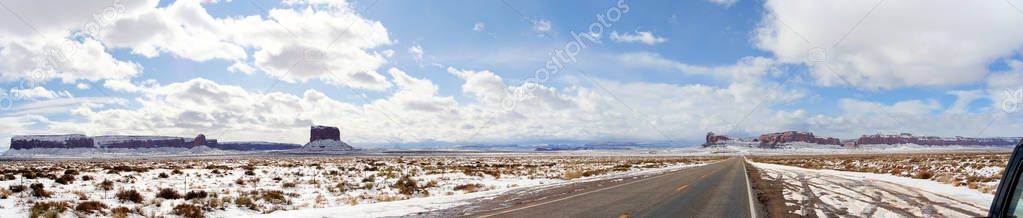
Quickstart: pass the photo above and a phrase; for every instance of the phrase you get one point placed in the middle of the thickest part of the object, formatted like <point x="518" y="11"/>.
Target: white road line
<point x="749" y="189"/>
<point x="589" y="192"/>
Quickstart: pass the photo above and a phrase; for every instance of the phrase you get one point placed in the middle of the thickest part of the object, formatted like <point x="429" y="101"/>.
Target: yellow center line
<point x="624" y="216"/>
<point x="681" y="188"/>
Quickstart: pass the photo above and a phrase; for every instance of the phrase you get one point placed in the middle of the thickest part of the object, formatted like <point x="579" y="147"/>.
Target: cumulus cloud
<point x="312" y="40"/>
<point x="183" y="29"/>
<point x="891" y="44"/>
<point x="39" y="45"/>
<point x="647" y="38"/>
<point x="329" y="45"/>
<point x="416" y="111"/>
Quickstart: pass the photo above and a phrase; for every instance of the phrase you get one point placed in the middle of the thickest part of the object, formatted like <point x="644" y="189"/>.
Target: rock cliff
<point x="325" y="139"/>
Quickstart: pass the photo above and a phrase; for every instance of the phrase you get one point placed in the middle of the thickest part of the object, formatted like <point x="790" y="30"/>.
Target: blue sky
<point x="406" y="72"/>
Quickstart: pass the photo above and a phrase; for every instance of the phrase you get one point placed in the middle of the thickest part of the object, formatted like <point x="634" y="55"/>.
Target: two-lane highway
<point x="715" y="190"/>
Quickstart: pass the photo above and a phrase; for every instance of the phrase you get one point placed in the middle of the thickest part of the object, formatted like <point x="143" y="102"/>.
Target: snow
<point x="869" y="194"/>
<point x="327" y="145"/>
<point x="417" y="205"/>
<point x="368" y="192"/>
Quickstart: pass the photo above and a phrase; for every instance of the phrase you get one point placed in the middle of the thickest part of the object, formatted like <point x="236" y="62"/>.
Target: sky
<point x="392" y="73"/>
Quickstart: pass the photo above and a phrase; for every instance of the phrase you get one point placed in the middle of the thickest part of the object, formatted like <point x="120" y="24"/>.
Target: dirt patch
<point x="769" y="193"/>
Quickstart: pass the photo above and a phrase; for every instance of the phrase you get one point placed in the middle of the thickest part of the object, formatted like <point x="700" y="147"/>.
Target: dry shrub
<point x="196" y="194"/>
<point x="120" y="212"/>
<point x="47" y="209"/>
<point x="246" y="202"/>
<point x="469" y="188"/>
<point x="406" y="185"/>
<point x="66" y="179"/>
<point x="188" y="211"/>
<point x="17" y="188"/>
<point x="924" y="175"/>
<point x="572" y="174"/>
<point x="106" y="185"/>
<point x="289" y="185"/>
<point x="273" y="197"/>
<point x="90" y="207"/>
<point x="81" y="195"/>
<point x="167" y="193"/>
<point x="39" y="191"/>
<point x="130" y="196"/>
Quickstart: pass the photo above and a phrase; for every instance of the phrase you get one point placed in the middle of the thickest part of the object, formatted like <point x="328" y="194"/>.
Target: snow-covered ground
<point x="305" y="186"/>
<point x="830" y="192"/>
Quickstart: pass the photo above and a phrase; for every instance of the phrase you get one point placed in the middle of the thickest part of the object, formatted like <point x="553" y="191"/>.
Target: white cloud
<point x="416" y="112"/>
<point x="726" y="3"/>
<point x="910" y="107"/>
<point x="38" y="92"/>
<point x="647" y="38"/>
<point x="82" y="86"/>
<point x="746" y="68"/>
<point x="478" y="27"/>
<point x="963" y="100"/>
<point x="1005" y="89"/>
<point x="31" y="60"/>
<point x="61" y="105"/>
<point x="898" y="44"/>
<point x="331" y="44"/>
<point x="542" y="26"/>
<point x="183" y="29"/>
<point x="416" y="52"/>
<point x="121" y="85"/>
<point x="34" y="43"/>
<point x="317" y="45"/>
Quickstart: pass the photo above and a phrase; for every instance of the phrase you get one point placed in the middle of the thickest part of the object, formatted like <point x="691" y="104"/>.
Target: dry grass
<point x="48" y="209"/>
<point x="130" y="196"/>
<point x="469" y="188"/>
<point x="188" y="211"/>
<point x="91" y="207"/>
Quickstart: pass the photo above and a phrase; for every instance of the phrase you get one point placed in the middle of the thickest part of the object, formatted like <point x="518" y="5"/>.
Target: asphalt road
<point x="714" y="190"/>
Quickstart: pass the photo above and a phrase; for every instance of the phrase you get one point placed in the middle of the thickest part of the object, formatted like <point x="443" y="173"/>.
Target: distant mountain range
<point x="137" y="142"/>
<point x="783" y="139"/>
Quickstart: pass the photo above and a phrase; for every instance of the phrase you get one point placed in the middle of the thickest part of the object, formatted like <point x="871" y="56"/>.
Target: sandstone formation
<point x="135" y="142"/>
<point x="906" y="138"/>
<point x="775" y="140"/>
<point x="325" y="139"/>
<point x="324" y="132"/>
<point x="713" y="139"/>
<point x="51" y="141"/>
